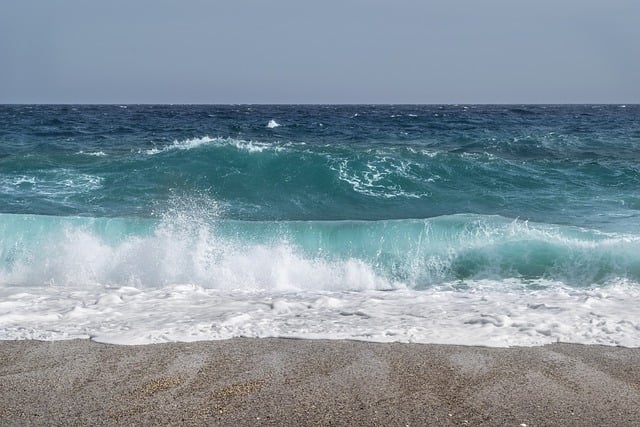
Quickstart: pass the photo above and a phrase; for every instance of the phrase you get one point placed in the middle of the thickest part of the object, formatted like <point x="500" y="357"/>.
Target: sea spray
<point x="192" y="245"/>
<point x="491" y="225"/>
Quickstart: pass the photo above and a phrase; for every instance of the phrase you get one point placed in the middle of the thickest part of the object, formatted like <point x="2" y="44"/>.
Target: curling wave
<point x="329" y="255"/>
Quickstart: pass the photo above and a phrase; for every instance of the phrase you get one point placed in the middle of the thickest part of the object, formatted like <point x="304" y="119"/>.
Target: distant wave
<point x="92" y="153"/>
<point x="191" y="143"/>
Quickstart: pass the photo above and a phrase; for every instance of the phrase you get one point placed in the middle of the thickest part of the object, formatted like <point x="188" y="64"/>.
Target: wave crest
<point x="240" y="144"/>
<point x="190" y="244"/>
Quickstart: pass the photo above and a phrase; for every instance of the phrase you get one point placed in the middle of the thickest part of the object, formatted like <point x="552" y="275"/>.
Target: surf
<point x="492" y="225"/>
<point x="205" y="250"/>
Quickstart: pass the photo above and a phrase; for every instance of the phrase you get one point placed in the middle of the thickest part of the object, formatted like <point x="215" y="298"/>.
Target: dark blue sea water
<point x="320" y="198"/>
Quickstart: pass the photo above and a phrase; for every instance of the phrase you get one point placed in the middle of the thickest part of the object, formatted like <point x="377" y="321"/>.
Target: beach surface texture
<point x="316" y="382"/>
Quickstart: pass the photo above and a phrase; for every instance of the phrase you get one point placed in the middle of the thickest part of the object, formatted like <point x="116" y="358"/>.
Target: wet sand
<point x="307" y="382"/>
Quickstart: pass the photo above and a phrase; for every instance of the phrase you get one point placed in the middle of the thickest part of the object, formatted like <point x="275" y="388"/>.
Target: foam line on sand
<point x="308" y="382"/>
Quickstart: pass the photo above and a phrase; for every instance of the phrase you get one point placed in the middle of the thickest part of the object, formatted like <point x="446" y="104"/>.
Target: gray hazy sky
<point x="321" y="51"/>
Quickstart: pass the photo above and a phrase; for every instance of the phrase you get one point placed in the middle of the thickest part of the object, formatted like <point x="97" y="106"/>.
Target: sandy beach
<point x="307" y="382"/>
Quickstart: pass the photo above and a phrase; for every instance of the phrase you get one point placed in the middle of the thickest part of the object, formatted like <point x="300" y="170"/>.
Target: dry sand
<point x="306" y="382"/>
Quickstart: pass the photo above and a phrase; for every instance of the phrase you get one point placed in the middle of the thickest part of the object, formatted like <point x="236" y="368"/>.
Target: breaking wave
<point x="185" y="247"/>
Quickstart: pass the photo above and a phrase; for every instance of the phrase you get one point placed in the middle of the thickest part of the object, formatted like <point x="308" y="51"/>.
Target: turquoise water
<point x="422" y="194"/>
<point x="416" y="253"/>
<point x="489" y="225"/>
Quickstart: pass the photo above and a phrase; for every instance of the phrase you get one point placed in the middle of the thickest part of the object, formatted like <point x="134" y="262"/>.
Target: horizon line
<point x="320" y="104"/>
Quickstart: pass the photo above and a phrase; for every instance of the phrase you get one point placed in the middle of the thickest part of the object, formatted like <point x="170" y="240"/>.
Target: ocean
<point x="486" y="225"/>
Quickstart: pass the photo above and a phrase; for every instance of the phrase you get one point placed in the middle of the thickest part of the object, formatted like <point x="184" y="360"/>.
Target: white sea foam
<point x="56" y="182"/>
<point x="272" y="124"/>
<point x="483" y="314"/>
<point x="378" y="177"/>
<point x="81" y="259"/>
<point x="92" y="153"/>
<point x="240" y="144"/>
<point x="186" y="144"/>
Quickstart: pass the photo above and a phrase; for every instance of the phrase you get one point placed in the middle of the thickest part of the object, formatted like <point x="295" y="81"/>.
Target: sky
<point x="320" y="51"/>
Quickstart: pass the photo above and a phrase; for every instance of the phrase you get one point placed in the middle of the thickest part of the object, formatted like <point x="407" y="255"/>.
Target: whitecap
<point x="240" y="144"/>
<point x="92" y="153"/>
<point x="272" y="124"/>
<point x="185" y="144"/>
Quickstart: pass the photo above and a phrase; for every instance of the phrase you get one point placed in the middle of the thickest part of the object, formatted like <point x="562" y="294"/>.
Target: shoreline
<point x="276" y="381"/>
